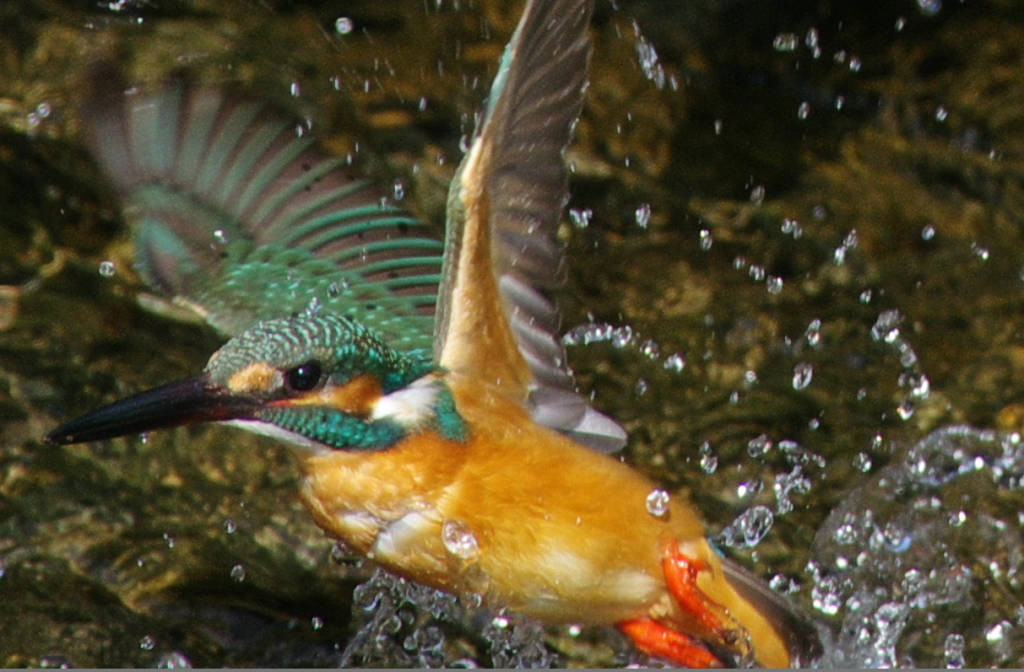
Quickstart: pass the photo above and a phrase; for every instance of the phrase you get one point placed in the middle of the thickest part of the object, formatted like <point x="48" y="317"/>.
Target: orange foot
<point x="661" y="641"/>
<point x="681" y="577"/>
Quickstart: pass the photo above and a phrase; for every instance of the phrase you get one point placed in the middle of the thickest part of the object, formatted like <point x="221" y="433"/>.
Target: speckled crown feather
<point x="343" y="347"/>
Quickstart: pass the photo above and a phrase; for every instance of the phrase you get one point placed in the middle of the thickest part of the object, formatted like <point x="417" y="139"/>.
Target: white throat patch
<point x="410" y="407"/>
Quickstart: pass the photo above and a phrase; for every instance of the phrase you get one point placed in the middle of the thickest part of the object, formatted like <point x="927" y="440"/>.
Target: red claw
<point x="681" y="577"/>
<point x="661" y="641"/>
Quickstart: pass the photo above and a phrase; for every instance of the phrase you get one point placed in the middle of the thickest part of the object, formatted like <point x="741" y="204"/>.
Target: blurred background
<point x="796" y="271"/>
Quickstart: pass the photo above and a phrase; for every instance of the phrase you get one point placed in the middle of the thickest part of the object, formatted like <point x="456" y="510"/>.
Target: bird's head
<point x="320" y="382"/>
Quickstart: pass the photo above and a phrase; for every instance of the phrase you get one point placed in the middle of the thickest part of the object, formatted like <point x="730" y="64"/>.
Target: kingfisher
<point x="421" y="382"/>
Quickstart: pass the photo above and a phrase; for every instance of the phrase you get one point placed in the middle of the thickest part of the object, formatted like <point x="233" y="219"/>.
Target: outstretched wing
<point x="495" y="315"/>
<point x="238" y="215"/>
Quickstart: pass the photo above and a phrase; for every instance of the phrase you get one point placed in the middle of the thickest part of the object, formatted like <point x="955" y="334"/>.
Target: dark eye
<point x="303" y="377"/>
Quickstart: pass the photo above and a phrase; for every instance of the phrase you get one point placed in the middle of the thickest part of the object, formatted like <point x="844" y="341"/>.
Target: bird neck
<point x="425" y="404"/>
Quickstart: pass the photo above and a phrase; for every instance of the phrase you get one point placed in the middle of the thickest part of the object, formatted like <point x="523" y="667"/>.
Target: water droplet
<point x="756" y="272"/>
<point x="649" y="62"/>
<point x="774" y="284"/>
<point x="43" y="109"/>
<point x="813" y="333"/>
<point x="580" y="218"/>
<point x="757" y="195"/>
<point x="705" y="240"/>
<point x="855" y="63"/>
<point x="718" y="126"/>
<point x="675" y="362"/>
<point x="3" y="568"/>
<point x="845" y="534"/>
<point x="317" y="622"/>
<point x="749" y="488"/>
<point x="343" y="25"/>
<point x="313" y="307"/>
<point x="399" y="190"/>
<point x="169" y="539"/>
<point x="175" y="660"/>
<point x="333" y="290"/>
<point x="802" y="375"/>
<point x="811" y="40"/>
<point x="783" y="584"/>
<point x="862" y="462"/>
<point x="865" y="296"/>
<point x="658" y="503"/>
<point x="459" y="540"/>
<point x="803" y="110"/>
<point x="147" y="643"/>
<point x="785" y="42"/>
<point x="826" y="596"/>
<point x="941" y="113"/>
<point x="229" y="526"/>
<point x="792" y="227"/>
<point x="886" y="326"/>
<point x="929" y="7"/>
<point x="622" y="336"/>
<point x="708" y="462"/>
<point x="759" y="447"/>
<point x="238" y="573"/>
<point x="754" y="524"/>
<point x="500" y="622"/>
<point x="643" y="215"/>
<point x="107" y="269"/>
<point x="649" y="348"/>
<point x="954" y="651"/>
<point x="997" y="632"/>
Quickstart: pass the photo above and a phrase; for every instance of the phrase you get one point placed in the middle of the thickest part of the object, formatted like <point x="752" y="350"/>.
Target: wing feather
<point x="502" y="258"/>
<point x="237" y="215"/>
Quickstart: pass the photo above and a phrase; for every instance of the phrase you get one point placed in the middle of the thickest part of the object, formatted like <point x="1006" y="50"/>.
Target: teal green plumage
<point x="241" y="218"/>
<point x="236" y="215"/>
<point x="343" y="347"/>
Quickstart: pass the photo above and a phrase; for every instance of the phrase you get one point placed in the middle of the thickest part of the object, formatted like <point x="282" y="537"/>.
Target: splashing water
<point x="402" y="624"/>
<point x="897" y="566"/>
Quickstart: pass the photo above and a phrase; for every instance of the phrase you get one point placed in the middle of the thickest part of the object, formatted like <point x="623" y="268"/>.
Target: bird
<point x="420" y="382"/>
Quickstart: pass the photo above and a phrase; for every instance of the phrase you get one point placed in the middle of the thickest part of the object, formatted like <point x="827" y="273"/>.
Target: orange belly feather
<point x="537" y="522"/>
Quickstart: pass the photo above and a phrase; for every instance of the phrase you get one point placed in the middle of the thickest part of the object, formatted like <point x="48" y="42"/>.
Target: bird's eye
<point x="303" y="377"/>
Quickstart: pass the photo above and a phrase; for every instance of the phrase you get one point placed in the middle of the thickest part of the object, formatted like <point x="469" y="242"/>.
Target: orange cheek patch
<point x="257" y="377"/>
<point x="356" y="396"/>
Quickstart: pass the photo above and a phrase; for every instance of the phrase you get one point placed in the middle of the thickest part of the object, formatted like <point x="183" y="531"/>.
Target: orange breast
<point x="522" y="515"/>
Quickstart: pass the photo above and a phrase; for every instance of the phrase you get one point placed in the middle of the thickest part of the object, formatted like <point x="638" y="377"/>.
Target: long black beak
<point x="185" y="402"/>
